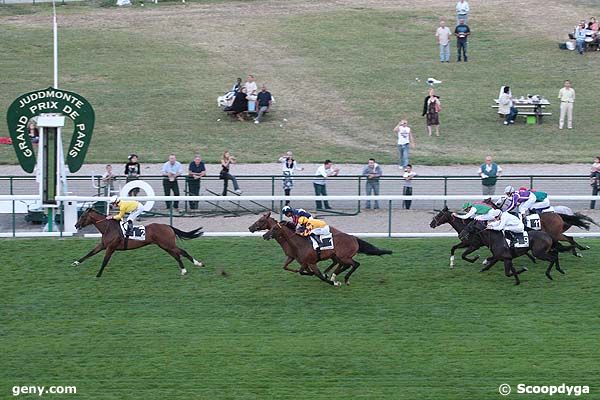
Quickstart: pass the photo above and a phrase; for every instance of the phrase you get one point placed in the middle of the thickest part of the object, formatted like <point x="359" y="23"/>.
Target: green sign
<point x="51" y="100"/>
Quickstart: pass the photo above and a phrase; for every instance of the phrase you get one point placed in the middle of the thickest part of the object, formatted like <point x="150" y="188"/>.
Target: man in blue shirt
<point x="462" y="33"/>
<point x="171" y="170"/>
<point x="264" y="100"/>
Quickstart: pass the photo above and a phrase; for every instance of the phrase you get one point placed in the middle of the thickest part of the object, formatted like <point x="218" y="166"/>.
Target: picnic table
<point x="531" y="108"/>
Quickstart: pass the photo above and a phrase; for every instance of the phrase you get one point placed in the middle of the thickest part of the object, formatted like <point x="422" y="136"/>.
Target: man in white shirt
<point x="171" y="170"/>
<point x="462" y="11"/>
<point x="405" y="141"/>
<point x="251" y="88"/>
<point x="442" y="34"/>
<point x="566" y="96"/>
<point x="320" y="184"/>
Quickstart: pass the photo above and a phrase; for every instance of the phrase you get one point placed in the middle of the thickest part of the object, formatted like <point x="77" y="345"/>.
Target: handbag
<point x="438" y="107"/>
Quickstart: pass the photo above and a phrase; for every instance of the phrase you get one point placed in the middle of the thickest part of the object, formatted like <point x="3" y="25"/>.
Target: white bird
<point x="433" y="81"/>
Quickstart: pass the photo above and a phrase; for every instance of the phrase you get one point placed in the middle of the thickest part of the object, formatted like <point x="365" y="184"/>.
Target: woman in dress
<point x="431" y="111"/>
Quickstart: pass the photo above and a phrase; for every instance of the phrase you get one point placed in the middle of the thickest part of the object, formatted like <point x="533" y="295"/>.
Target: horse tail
<point x="370" y="250"/>
<point x="579" y="220"/>
<point x="187" y="235"/>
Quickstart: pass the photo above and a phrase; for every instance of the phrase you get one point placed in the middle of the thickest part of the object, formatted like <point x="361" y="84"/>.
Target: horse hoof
<point x="485" y="262"/>
<point x="549" y="277"/>
<point x="183" y="272"/>
<point x="337" y="284"/>
<point x="525" y="269"/>
<point x="198" y="263"/>
<point x="579" y="255"/>
<point x="586" y="247"/>
<point x="561" y="271"/>
<point x="75" y="263"/>
<point x="347" y="283"/>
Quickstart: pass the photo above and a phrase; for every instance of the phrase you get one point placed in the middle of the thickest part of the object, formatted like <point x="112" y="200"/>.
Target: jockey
<point x="131" y="207"/>
<point x="503" y="221"/>
<point x="295" y="213"/>
<point x="480" y="212"/>
<point x="518" y="202"/>
<point x="313" y="227"/>
<point x="541" y="200"/>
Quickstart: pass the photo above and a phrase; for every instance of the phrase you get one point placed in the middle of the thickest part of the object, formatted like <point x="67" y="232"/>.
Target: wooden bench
<point x="527" y="111"/>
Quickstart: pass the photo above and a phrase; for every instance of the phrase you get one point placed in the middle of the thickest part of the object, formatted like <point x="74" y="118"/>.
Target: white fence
<point x="381" y="198"/>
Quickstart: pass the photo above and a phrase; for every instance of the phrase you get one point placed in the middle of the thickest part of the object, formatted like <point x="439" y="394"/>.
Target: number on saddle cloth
<point x="519" y="240"/>
<point x="533" y="222"/>
<point x="326" y="242"/>
<point x="138" y="232"/>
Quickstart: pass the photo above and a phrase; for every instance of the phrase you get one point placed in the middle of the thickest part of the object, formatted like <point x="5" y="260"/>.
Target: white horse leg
<point x="183" y="272"/>
<point x="451" y="261"/>
<point x="198" y="263"/>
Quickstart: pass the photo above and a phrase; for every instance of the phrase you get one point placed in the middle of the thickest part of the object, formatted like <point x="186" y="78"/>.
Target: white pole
<point x="55" y="35"/>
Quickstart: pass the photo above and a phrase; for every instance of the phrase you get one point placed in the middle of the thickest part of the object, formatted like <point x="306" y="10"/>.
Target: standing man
<point x="566" y="96"/>
<point x="372" y="171"/>
<point x="196" y="170"/>
<point x="442" y="34"/>
<point x="405" y="141"/>
<point x="408" y="176"/>
<point x="320" y="184"/>
<point x="489" y="173"/>
<point x="171" y="170"/>
<point x="265" y="100"/>
<point x="462" y="11"/>
<point x="462" y="33"/>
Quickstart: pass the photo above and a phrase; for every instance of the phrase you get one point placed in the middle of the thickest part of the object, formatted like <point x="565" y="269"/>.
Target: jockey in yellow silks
<point x="132" y="208"/>
<point x="312" y="226"/>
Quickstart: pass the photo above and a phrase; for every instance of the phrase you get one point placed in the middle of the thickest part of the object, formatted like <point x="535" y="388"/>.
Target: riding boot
<point x="128" y="233"/>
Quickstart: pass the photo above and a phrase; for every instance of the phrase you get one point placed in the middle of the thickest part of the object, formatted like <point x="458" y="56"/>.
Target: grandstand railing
<point x="390" y="199"/>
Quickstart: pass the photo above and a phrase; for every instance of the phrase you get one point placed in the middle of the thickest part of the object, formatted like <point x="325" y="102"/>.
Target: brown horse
<point x="555" y="225"/>
<point x="346" y="247"/>
<point x="112" y="239"/>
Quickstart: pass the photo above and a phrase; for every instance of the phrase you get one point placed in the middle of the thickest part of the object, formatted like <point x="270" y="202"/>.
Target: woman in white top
<point x="288" y="166"/>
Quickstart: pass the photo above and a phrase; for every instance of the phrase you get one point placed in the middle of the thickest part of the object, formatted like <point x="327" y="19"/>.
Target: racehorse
<point x="346" y="247"/>
<point x="112" y="239"/>
<point x="540" y="243"/>
<point x="556" y="224"/>
<point x="475" y="242"/>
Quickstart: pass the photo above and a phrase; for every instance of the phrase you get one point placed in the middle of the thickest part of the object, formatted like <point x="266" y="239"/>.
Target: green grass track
<point x="407" y="328"/>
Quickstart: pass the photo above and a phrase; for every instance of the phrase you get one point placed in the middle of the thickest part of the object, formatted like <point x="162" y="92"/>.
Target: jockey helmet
<point x="509" y="190"/>
<point x="286" y="209"/>
<point x="114" y="200"/>
<point x="468" y="204"/>
<point x="495" y="213"/>
<point x="302" y="220"/>
<point x="522" y="189"/>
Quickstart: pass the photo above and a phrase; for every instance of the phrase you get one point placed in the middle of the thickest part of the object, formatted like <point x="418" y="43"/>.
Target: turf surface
<point x="407" y="327"/>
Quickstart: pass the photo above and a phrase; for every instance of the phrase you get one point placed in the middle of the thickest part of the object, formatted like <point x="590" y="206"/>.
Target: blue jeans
<point x="462" y="44"/>
<point x="403" y="150"/>
<point x="580" y="43"/>
<point x="445" y="52"/>
<point x="372" y="188"/>
<point x="510" y="117"/>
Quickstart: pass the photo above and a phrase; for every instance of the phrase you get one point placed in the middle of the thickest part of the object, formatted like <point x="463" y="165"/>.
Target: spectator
<point x="108" y="180"/>
<point x="442" y="34"/>
<point x="34" y="132"/>
<point x="506" y="106"/>
<point x="431" y="109"/>
<point x="171" y="170"/>
<point x="408" y="176"/>
<point x="251" y="91"/>
<point x="462" y="33"/>
<point x="225" y="174"/>
<point x="288" y="166"/>
<point x="320" y="182"/>
<point x="264" y="103"/>
<point x="567" y="98"/>
<point x="237" y="85"/>
<point x="489" y="173"/>
<point x="196" y="170"/>
<point x="372" y="171"/>
<point x="405" y="141"/>
<point x="595" y="180"/>
<point x="462" y="11"/>
<point x="132" y="172"/>
<point x="239" y="104"/>
<point x="580" y="35"/>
